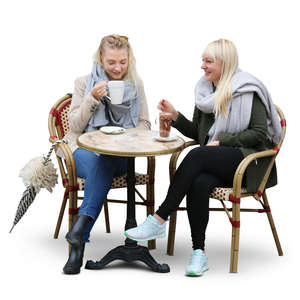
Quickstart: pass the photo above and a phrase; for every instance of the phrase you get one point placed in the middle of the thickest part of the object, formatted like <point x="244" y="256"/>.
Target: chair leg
<point x="61" y="214"/>
<point x="72" y="211"/>
<point x="72" y="208"/>
<point x="171" y="235"/>
<point x="106" y="216"/>
<point x="272" y="225"/>
<point x="235" y="237"/>
<point x="152" y="243"/>
<point x="150" y="209"/>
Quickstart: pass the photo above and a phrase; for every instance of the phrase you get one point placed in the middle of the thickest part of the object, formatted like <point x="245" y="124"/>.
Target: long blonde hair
<point x="115" y="41"/>
<point x="225" y="51"/>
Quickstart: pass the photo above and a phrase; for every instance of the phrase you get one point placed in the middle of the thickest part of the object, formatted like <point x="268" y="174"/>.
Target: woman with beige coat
<point x="91" y="110"/>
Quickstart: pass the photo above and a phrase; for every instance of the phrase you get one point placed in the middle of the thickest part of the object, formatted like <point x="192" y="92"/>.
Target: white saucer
<point x="112" y="129"/>
<point x="170" y="138"/>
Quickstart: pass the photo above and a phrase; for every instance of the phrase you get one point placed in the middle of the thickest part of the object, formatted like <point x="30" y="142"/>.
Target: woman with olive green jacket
<point x="233" y="117"/>
<point x="249" y="141"/>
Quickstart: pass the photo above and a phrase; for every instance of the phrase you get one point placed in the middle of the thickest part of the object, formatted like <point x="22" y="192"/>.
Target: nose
<point x="203" y="66"/>
<point x="117" y="68"/>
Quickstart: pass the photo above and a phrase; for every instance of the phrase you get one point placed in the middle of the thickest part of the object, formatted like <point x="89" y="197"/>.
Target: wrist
<point x="175" y="116"/>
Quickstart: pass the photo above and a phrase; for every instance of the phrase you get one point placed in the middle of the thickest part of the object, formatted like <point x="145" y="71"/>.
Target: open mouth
<point x="116" y="74"/>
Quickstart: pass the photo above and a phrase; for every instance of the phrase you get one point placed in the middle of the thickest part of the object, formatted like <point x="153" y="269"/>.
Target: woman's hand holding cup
<point x="167" y="114"/>
<point x="99" y="90"/>
<point x="166" y="106"/>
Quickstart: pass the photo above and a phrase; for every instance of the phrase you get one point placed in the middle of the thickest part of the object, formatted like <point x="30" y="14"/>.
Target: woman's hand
<point x="166" y="106"/>
<point x="99" y="90"/>
<point x="213" y="143"/>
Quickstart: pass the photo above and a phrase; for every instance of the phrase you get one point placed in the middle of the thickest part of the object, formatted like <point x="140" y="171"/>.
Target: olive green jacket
<point x="251" y="140"/>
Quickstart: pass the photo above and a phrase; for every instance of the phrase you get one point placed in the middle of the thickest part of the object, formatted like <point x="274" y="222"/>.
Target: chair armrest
<point x="68" y="158"/>
<point x="240" y="171"/>
<point x="175" y="155"/>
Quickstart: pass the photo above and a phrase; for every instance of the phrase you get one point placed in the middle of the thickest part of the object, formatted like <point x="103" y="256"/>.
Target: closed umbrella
<point x="38" y="173"/>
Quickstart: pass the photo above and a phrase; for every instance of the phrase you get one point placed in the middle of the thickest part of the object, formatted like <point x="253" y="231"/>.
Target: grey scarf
<point x="125" y="115"/>
<point x="243" y="85"/>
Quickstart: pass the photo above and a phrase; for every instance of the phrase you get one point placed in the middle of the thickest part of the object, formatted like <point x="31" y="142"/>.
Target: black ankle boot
<point x="74" y="262"/>
<point x="74" y="236"/>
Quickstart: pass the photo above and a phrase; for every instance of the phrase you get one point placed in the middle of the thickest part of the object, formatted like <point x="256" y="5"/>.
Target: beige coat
<point x="81" y="111"/>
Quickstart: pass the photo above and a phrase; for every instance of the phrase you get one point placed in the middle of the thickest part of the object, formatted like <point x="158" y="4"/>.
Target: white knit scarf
<point x="243" y="86"/>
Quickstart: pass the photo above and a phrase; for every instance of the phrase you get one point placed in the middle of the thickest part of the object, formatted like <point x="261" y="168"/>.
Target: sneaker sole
<point x="195" y="274"/>
<point x="145" y="240"/>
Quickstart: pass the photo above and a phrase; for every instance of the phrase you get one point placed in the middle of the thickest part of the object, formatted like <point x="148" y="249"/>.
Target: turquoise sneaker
<point x="150" y="229"/>
<point x="198" y="264"/>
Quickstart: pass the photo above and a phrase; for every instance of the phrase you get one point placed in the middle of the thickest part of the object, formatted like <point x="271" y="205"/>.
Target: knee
<point x="198" y="194"/>
<point x="102" y="163"/>
<point x="110" y="162"/>
<point x="198" y="183"/>
<point x="196" y="153"/>
<point x="202" y="183"/>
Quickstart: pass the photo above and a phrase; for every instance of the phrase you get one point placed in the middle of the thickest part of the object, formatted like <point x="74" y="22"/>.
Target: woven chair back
<point x="58" y="118"/>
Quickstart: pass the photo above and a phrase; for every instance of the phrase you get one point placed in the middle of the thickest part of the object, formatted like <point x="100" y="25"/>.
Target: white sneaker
<point x="150" y="229"/>
<point x="198" y="264"/>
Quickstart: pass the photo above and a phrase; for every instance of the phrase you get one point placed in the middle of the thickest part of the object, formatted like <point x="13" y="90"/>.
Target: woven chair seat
<point x="223" y="194"/>
<point x="120" y="181"/>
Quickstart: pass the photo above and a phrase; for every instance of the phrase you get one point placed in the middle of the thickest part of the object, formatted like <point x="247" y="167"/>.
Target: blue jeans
<point x="98" y="172"/>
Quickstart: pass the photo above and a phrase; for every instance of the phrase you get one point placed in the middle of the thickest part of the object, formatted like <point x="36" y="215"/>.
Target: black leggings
<point x="203" y="169"/>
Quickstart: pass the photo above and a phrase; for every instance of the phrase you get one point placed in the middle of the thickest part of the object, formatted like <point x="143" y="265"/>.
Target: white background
<point x="45" y="45"/>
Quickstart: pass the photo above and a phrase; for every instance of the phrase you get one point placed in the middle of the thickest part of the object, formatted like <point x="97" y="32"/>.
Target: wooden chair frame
<point x="235" y="197"/>
<point x="58" y="127"/>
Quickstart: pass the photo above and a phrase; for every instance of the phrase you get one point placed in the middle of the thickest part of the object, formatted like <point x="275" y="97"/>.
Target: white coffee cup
<point x="116" y="91"/>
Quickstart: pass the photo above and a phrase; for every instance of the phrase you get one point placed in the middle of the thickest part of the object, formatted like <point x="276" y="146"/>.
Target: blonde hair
<point x="115" y="41"/>
<point x="225" y="51"/>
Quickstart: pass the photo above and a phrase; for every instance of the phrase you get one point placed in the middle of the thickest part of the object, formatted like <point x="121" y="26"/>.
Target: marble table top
<point x="132" y="143"/>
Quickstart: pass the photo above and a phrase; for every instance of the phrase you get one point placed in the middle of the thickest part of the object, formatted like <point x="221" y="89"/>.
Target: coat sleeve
<point x="82" y="108"/>
<point x="255" y="134"/>
<point x="187" y="127"/>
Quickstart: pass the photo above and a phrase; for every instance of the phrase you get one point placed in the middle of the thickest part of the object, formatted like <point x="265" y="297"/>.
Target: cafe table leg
<point x="131" y="251"/>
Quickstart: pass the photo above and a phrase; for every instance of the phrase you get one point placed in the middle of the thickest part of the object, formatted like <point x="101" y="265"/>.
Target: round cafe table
<point x="132" y="143"/>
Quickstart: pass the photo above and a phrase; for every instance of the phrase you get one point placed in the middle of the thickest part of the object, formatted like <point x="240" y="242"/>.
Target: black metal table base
<point x="130" y="252"/>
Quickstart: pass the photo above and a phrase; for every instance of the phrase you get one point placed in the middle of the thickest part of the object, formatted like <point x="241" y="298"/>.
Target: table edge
<point x="130" y="154"/>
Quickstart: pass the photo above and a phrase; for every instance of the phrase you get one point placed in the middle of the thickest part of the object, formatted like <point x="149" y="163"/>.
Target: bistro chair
<point x="58" y="126"/>
<point x="234" y="196"/>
